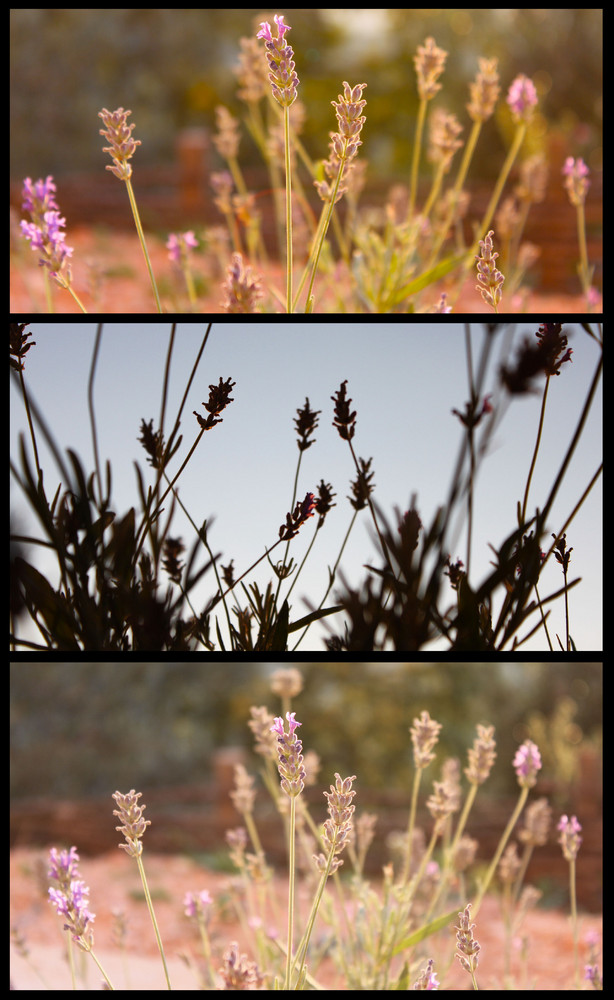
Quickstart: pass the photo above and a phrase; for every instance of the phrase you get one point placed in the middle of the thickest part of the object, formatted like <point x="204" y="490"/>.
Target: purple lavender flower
<point x="195" y="902"/>
<point x="338" y="827"/>
<point x="63" y="866"/>
<point x="570" y="838"/>
<point x="179" y="245"/>
<point x="70" y="895"/>
<point x="301" y="512"/>
<point x="45" y="230"/>
<point x="489" y="276"/>
<point x="576" y="173"/>
<point x="527" y="763"/>
<point x="122" y="146"/>
<point x="130" y="812"/>
<point x="428" y="979"/>
<point x="290" y="755"/>
<point x="38" y="196"/>
<point x="522" y="98"/>
<point x="280" y="57"/>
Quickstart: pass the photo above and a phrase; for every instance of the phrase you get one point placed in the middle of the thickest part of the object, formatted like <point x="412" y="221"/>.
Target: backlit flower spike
<point x="576" y="180"/>
<point x="522" y="98"/>
<point x="527" y="763"/>
<point x="280" y="58"/>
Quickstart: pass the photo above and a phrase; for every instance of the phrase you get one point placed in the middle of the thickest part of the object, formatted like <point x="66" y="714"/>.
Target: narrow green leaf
<point x="427" y="278"/>
<point x="313" y="617"/>
<point x="426" y="931"/>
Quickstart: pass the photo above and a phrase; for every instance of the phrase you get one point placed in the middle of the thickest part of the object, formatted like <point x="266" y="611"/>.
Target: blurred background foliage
<point x="88" y="729"/>
<point x="172" y="67"/>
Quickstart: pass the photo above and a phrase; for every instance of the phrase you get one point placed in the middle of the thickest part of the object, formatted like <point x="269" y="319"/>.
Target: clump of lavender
<point x="489" y="276"/>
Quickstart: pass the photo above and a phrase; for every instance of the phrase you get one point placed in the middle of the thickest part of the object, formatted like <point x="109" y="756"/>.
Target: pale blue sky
<point x="404" y="381"/>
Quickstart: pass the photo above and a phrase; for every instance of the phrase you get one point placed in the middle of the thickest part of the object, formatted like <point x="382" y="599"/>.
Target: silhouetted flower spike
<point x="306" y="423"/>
<point x="300" y="514"/>
<point x="19" y="345"/>
<point x="345" y="420"/>
<point x="324" y="500"/>
<point x="362" y="487"/>
<point x="552" y="341"/>
<point x="561" y="553"/>
<point x="173" y="549"/>
<point x="219" y="398"/>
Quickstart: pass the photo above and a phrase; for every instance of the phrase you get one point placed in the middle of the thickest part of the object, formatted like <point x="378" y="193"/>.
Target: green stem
<point x="288" y="210"/>
<point x="500" y="848"/>
<point x="153" y="917"/>
<point x="291" y="861"/>
<point x="139" y="229"/>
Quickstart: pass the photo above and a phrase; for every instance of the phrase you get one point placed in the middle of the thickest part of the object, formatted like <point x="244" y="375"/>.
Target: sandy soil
<point x="123" y="285"/>
<point x="115" y="884"/>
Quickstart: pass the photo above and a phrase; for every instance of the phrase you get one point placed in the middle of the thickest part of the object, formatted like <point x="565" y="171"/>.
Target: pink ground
<point x="123" y="283"/>
<point x="114" y="883"/>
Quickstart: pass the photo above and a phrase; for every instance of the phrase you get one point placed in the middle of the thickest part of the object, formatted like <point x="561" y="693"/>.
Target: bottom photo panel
<point x="306" y="825"/>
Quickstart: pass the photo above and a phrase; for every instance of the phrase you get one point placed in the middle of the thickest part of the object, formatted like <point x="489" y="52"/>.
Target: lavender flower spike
<point x="489" y="276"/>
<point x="527" y="763"/>
<point x="522" y="98"/>
<point x="576" y="180"/>
<point x="570" y="838"/>
<point x="280" y="57"/>
<point x="122" y="145"/>
<point x="131" y="815"/>
<point x="70" y="895"/>
<point x="290" y="755"/>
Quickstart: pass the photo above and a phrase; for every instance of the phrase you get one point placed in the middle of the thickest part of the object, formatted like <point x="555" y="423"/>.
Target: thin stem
<point x="416" y="157"/>
<point x="535" y="451"/>
<point x="139" y="229"/>
<point x="153" y="917"/>
<point x="288" y="210"/>
<point x="291" y="863"/>
<point x="500" y="848"/>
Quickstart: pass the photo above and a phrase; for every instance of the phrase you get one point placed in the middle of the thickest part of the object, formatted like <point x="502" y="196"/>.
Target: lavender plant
<point x="410" y="257"/>
<point x="391" y="933"/>
<point x="132" y="583"/>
